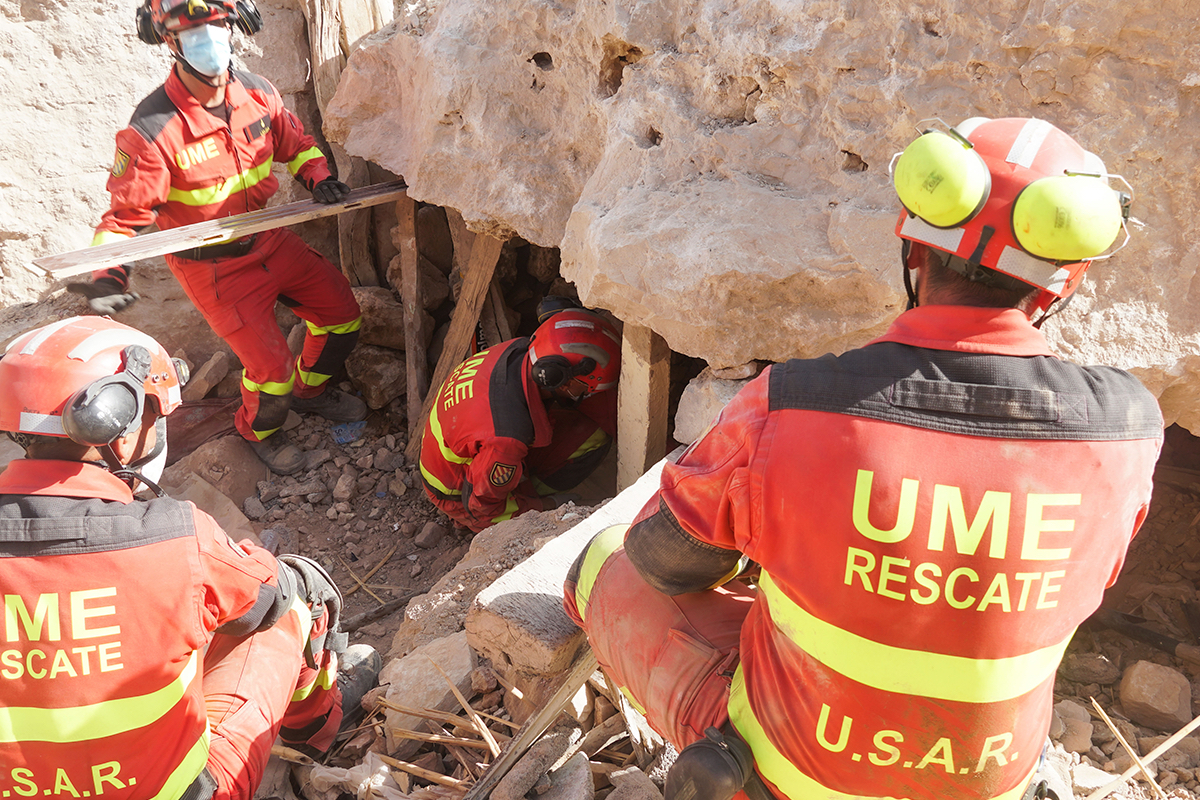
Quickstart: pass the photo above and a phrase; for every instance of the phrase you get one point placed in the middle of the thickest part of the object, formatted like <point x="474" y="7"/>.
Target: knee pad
<point x="713" y="768"/>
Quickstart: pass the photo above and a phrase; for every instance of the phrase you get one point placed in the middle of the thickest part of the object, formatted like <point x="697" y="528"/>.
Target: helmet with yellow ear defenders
<point x="1013" y="195"/>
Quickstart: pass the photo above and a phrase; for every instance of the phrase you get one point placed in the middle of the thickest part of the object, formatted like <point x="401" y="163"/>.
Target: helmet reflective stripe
<point x="942" y="238"/>
<point x="575" y="323"/>
<point x="45" y="333"/>
<point x="1028" y="142"/>
<point x="105" y="340"/>
<point x="590" y="350"/>
<point x="1033" y="270"/>
<point x="46" y="424"/>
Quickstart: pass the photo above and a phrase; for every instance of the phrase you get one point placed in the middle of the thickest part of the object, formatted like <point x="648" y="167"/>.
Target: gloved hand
<point x="105" y="296"/>
<point x="560" y="499"/>
<point x="329" y="191"/>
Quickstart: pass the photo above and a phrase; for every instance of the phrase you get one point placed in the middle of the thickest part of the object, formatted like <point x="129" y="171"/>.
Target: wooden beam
<point x="412" y="297"/>
<point x="485" y="252"/>
<point x="213" y="231"/>
<point x="354" y="228"/>
<point x="324" y="40"/>
<point x="496" y="295"/>
<point x="585" y="664"/>
<point x="642" y="399"/>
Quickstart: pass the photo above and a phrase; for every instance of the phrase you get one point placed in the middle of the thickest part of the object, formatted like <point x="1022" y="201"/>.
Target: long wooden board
<point x="213" y="231"/>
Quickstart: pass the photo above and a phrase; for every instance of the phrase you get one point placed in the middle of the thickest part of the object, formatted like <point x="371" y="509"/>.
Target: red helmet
<point x="578" y="345"/>
<point x="85" y="378"/>
<point x="158" y="18"/>
<point x="1014" y="195"/>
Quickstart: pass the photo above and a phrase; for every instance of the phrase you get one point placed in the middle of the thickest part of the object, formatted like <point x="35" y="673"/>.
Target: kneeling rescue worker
<point x="930" y="516"/>
<point x="516" y="426"/>
<point x="145" y="655"/>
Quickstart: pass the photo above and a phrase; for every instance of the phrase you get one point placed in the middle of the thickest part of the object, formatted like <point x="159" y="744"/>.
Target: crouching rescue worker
<point x="145" y="655"/>
<point x="518" y="425"/>
<point x="932" y="514"/>
<point x="199" y="148"/>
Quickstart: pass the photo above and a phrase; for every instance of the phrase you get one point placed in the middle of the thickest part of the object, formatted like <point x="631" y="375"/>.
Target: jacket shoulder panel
<point x="1037" y="397"/>
<point x="153" y="114"/>
<point x="45" y="526"/>
<point x="506" y="394"/>
<point x="254" y="82"/>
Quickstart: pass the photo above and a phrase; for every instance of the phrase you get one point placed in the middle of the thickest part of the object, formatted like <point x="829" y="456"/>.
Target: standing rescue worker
<point x="933" y="514"/>
<point x="146" y="656"/>
<point x="516" y="426"/>
<point x="200" y="147"/>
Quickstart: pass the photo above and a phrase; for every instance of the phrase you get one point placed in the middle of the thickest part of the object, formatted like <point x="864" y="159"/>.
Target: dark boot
<point x="714" y="768"/>
<point x="333" y="404"/>
<point x="279" y="454"/>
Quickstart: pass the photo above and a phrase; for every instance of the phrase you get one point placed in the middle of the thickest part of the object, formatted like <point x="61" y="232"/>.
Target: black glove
<point x="106" y="296"/>
<point x="329" y="191"/>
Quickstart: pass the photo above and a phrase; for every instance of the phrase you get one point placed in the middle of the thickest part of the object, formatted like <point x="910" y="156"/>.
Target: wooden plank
<point x="324" y="39"/>
<point x="642" y="400"/>
<point x="211" y="231"/>
<point x="412" y="297"/>
<point x="500" y="309"/>
<point x="485" y="251"/>
<point x="583" y="668"/>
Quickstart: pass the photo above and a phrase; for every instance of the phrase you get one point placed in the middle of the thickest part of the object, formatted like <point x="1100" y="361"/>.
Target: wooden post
<point x="485" y="252"/>
<point x="414" y="308"/>
<point x="642" y="398"/>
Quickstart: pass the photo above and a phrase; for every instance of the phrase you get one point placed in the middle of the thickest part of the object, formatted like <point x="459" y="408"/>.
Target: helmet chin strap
<point x="905" y="248"/>
<point x="129" y="473"/>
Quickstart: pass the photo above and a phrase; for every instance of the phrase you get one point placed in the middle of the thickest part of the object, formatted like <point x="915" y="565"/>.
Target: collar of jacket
<point x="62" y="479"/>
<point x="198" y="118"/>
<point x="967" y="329"/>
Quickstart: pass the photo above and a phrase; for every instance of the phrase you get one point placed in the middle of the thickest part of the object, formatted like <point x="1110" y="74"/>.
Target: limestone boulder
<point x="719" y="172"/>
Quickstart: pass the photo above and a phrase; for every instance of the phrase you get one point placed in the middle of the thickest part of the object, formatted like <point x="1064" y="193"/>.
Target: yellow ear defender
<point x="1067" y="217"/>
<point x="941" y="179"/>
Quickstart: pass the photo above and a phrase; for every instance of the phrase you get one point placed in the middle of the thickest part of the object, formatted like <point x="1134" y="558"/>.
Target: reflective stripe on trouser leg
<point x="264" y="408"/>
<point x="315" y="711"/>
<point x="675" y="660"/>
<point x="325" y="350"/>
<point x="248" y="684"/>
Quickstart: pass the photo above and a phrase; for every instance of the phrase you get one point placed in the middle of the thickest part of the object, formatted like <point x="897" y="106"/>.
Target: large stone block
<point x="719" y="173"/>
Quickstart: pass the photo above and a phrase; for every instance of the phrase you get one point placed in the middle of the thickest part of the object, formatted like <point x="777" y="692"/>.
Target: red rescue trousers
<point x="673" y="657"/>
<point x="257" y="684"/>
<point x="237" y="296"/>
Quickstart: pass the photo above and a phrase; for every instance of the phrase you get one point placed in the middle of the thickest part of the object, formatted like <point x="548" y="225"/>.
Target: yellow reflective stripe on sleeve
<point x="510" y="508"/>
<point x="915" y="672"/>
<point x="104" y="237"/>
<point x="98" y="720"/>
<point x="303" y="158"/>
<point x="187" y="771"/>
<point x="435" y="427"/>
<point x="437" y="484"/>
<point x="602" y="546"/>
<point x="270" y="387"/>
<point x="345" y="327"/>
<point x="787" y="777"/>
<point x="220" y="192"/>
<point x="594" y="442"/>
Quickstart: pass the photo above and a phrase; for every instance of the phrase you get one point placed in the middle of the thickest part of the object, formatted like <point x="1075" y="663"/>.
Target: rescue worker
<point x="200" y="147"/>
<point x="145" y="654"/>
<point x="516" y="426"/>
<point x="931" y="515"/>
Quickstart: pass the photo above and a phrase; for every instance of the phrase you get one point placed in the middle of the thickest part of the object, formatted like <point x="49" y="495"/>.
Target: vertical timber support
<point x="643" y="395"/>
<point x="414" y="306"/>
<point x="485" y="253"/>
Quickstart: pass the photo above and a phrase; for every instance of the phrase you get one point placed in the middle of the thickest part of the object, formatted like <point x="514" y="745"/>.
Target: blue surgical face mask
<point x="206" y="48"/>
